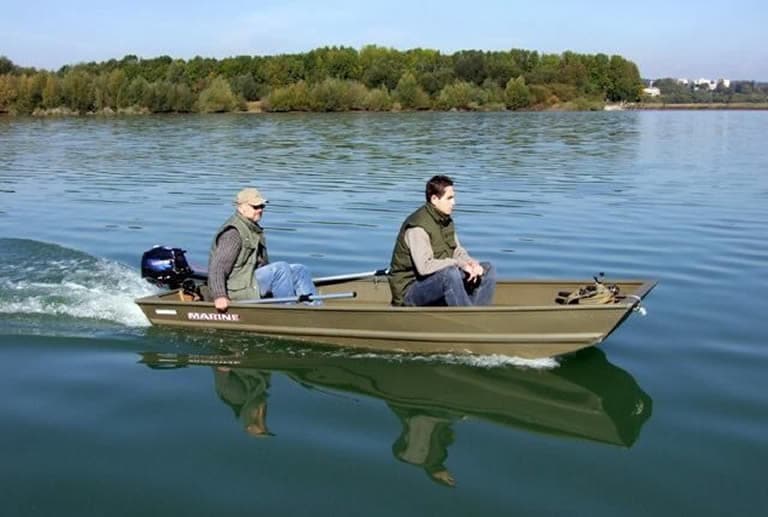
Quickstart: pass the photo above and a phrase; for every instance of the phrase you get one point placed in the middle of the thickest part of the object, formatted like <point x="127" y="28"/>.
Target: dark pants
<point x="447" y="287"/>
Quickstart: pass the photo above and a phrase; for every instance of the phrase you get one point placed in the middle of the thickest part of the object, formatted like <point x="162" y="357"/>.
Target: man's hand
<point x="444" y="477"/>
<point x="474" y="270"/>
<point x="221" y="303"/>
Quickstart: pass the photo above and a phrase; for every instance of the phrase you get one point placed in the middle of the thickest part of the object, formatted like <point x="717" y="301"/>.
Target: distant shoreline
<point x="255" y="107"/>
<point x="651" y="106"/>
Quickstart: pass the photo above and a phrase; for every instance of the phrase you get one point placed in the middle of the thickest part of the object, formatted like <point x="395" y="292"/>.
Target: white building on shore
<point x="709" y="84"/>
<point x="651" y="91"/>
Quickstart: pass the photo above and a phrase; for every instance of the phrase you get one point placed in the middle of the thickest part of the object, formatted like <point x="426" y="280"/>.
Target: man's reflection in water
<point x="245" y="390"/>
<point x="424" y="441"/>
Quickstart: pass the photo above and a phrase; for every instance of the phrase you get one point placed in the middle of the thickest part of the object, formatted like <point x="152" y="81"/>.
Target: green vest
<point x="442" y="237"/>
<point x="241" y="284"/>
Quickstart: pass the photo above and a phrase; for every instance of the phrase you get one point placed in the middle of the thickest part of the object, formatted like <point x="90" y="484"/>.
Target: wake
<point x="38" y="278"/>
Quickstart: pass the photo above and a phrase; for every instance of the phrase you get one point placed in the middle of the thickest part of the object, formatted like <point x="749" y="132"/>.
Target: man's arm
<point x="422" y="255"/>
<point x="460" y="254"/>
<point x="466" y="262"/>
<point x="222" y="261"/>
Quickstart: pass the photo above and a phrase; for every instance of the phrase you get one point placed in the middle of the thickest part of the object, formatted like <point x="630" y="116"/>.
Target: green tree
<point x="245" y="86"/>
<point x="154" y="69"/>
<point x="501" y="67"/>
<point x="525" y="60"/>
<point x="432" y="69"/>
<point x="25" y="102"/>
<point x="330" y="95"/>
<point x="469" y="66"/>
<point x="672" y="91"/>
<point x="625" y="83"/>
<point x="334" y="62"/>
<point x="573" y="71"/>
<point x="284" y="70"/>
<point x="102" y="96"/>
<point x="338" y="95"/>
<point x="294" y="97"/>
<point x="516" y="94"/>
<point x="161" y="97"/>
<point x="546" y="70"/>
<point x="563" y="92"/>
<point x="182" y="100"/>
<point x="52" y="97"/>
<point x="235" y="66"/>
<point x="8" y="92"/>
<point x="541" y="95"/>
<point x="78" y="91"/>
<point x="410" y="94"/>
<point x="378" y="99"/>
<point x="116" y="80"/>
<point x="136" y="94"/>
<point x="461" y="95"/>
<point x="381" y="66"/>
<point x="598" y="71"/>
<point x="6" y="66"/>
<point x="199" y="69"/>
<point x="130" y="66"/>
<point x="494" y="94"/>
<point x="218" y="97"/>
<point x="176" y="72"/>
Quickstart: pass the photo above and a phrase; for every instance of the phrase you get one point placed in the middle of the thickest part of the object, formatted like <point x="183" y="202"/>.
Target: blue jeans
<point x="283" y="280"/>
<point x="447" y="287"/>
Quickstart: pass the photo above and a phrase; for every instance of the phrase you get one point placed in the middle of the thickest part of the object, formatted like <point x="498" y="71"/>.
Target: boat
<point x="589" y="398"/>
<point x="528" y="318"/>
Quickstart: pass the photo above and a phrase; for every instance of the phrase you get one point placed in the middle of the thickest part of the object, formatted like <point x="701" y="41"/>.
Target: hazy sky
<point x="689" y="38"/>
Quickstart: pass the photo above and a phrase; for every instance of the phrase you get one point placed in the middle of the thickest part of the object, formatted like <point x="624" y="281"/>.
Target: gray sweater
<point x="222" y="261"/>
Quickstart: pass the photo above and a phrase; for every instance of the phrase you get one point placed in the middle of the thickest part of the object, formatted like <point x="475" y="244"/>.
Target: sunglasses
<point x="258" y="207"/>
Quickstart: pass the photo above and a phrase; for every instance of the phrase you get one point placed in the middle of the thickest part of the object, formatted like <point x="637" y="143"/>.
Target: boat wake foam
<point x="38" y="278"/>
<point x="479" y="361"/>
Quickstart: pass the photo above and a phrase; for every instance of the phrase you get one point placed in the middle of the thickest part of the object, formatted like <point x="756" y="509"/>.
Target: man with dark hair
<point x="429" y="266"/>
<point x="238" y="264"/>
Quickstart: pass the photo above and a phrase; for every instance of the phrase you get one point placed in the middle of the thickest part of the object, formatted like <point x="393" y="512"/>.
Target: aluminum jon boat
<point x="528" y="318"/>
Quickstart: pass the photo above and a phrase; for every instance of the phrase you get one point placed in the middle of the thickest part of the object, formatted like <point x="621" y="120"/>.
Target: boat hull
<point x="524" y="320"/>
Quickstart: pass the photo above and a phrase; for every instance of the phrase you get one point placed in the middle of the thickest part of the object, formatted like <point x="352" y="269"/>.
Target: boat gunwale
<point x="628" y="303"/>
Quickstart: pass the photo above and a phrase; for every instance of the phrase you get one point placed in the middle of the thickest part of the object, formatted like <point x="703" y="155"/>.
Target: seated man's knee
<point x="281" y="268"/>
<point x="299" y="269"/>
<point x="452" y="276"/>
<point x="489" y="269"/>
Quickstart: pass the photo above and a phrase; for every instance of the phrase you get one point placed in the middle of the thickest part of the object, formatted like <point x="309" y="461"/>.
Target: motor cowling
<point x="165" y="267"/>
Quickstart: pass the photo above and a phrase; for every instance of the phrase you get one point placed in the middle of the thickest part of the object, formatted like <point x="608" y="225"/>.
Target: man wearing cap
<point x="238" y="263"/>
<point x="429" y="266"/>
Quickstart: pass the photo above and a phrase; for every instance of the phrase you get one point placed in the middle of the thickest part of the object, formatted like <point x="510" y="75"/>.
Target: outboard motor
<point x="166" y="267"/>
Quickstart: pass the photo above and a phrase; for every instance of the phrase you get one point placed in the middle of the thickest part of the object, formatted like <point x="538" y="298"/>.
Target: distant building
<point x="710" y="84"/>
<point x="701" y="83"/>
<point x="651" y="91"/>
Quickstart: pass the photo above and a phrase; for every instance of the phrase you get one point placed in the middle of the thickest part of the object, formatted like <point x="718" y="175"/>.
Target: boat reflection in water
<point x="585" y="397"/>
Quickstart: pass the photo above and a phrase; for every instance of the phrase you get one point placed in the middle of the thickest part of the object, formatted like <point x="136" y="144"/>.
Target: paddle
<point x="302" y="298"/>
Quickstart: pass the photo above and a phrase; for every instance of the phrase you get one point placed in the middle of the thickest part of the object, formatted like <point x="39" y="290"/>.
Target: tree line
<point x="675" y="92"/>
<point x="373" y="78"/>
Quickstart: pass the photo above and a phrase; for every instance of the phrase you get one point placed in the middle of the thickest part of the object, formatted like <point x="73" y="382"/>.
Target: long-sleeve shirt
<point x="222" y="261"/>
<point x="424" y="259"/>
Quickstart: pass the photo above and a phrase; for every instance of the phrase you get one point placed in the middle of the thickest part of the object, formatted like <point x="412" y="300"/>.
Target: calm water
<point x="102" y="415"/>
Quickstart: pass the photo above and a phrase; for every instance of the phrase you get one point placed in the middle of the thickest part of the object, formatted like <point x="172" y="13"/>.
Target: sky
<point x="684" y="39"/>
